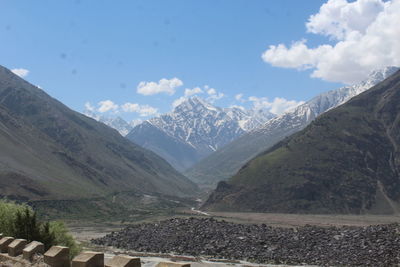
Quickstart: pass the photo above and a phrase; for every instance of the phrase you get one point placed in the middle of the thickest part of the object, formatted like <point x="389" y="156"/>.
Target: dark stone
<point x="324" y="246"/>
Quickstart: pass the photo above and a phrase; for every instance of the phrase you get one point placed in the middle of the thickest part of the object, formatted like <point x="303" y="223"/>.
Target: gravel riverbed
<point x="324" y="246"/>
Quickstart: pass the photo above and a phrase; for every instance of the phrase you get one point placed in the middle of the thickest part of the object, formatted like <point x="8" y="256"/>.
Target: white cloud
<point x="89" y="107"/>
<point x="338" y="19"/>
<point x="194" y="91"/>
<point x="211" y="91"/>
<point x="90" y="111"/>
<point x="163" y="86"/>
<point x="107" y="105"/>
<point x="366" y="34"/>
<point x="146" y="110"/>
<point x="213" y="98"/>
<point x="213" y="94"/>
<point x="20" y="72"/>
<point x="239" y="97"/>
<point x="298" y="56"/>
<point x="130" y="107"/>
<point x="278" y="106"/>
<point x="142" y="110"/>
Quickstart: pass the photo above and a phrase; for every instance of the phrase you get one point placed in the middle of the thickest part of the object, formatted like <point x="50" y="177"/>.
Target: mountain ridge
<point x="225" y="162"/>
<point x="50" y="151"/>
<point x="345" y="161"/>
<point x="197" y="128"/>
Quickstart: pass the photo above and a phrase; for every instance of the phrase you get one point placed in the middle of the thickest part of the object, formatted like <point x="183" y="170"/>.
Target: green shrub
<point x="63" y="238"/>
<point x="8" y="215"/>
<point x="20" y="221"/>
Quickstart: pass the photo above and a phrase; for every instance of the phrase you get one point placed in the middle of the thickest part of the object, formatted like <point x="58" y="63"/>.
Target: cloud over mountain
<point x="163" y="86"/>
<point x="365" y="36"/>
<point x="143" y="110"/>
<point x="107" y="105"/>
<point x="277" y="106"/>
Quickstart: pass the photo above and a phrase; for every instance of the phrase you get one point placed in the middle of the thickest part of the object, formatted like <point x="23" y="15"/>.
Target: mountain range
<point x="194" y="130"/>
<point x="117" y="123"/>
<point x="346" y="161"/>
<point x="226" y="161"/>
<point x="49" y="151"/>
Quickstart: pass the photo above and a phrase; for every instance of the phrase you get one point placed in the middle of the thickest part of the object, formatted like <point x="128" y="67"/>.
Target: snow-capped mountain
<point x="232" y="157"/>
<point x="249" y="119"/>
<point x="304" y="114"/>
<point x="119" y="124"/>
<point x="194" y="129"/>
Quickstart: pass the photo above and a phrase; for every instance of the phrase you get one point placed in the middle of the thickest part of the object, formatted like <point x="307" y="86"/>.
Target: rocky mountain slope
<point x="346" y="161"/>
<point x="193" y="130"/>
<point x="225" y="162"/>
<point x="51" y="152"/>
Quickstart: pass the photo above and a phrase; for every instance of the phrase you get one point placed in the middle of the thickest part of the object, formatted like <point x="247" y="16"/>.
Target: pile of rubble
<point x="326" y="246"/>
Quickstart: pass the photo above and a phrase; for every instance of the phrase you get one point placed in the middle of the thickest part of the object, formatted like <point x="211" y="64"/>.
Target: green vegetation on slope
<point x="118" y="207"/>
<point x="225" y="162"/>
<point x="346" y="161"/>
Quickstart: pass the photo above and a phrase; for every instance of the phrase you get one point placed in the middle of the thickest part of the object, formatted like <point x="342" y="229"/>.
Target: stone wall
<point x="18" y="252"/>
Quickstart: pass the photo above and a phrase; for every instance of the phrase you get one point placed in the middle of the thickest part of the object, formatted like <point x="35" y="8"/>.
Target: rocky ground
<point x="326" y="246"/>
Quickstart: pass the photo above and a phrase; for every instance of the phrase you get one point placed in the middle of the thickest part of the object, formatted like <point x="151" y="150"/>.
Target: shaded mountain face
<point x="225" y="162"/>
<point x="194" y="130"/>
<point x="51" y="152"/>
<point x="346" y="161"/>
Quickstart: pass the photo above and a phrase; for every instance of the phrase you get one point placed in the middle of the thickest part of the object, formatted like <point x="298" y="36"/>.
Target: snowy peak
<point x="195" y="104"/>
<point x="339" y="96"/>
<point x="195" y="115"/>
<point x="201" y="126"/>
<point x="119" y="124"/>
<point x="303" y="114"/>
<point x="249" y="119"/>
<point x="379" y="75"/>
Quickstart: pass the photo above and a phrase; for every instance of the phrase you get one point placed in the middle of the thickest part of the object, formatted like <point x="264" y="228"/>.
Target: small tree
<point x="26" y="225"/>
<point x="47" y="236"/>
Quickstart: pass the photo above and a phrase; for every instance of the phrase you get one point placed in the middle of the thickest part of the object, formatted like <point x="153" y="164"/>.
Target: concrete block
<point x="172" y="264"/>
<point x="31" y="249"/>
<point x="89" y="259"/>
<point x="15" y="248"/>
<point x="4" y="242"/>
<point x="123" y="261"/>
<point x="57" y="256"/>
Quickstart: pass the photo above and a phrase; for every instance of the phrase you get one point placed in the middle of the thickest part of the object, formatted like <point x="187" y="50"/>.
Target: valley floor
<point x="85" y="231"/>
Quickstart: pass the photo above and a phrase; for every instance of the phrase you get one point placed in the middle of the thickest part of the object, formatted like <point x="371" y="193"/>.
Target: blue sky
<point x="97" y="51"/>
